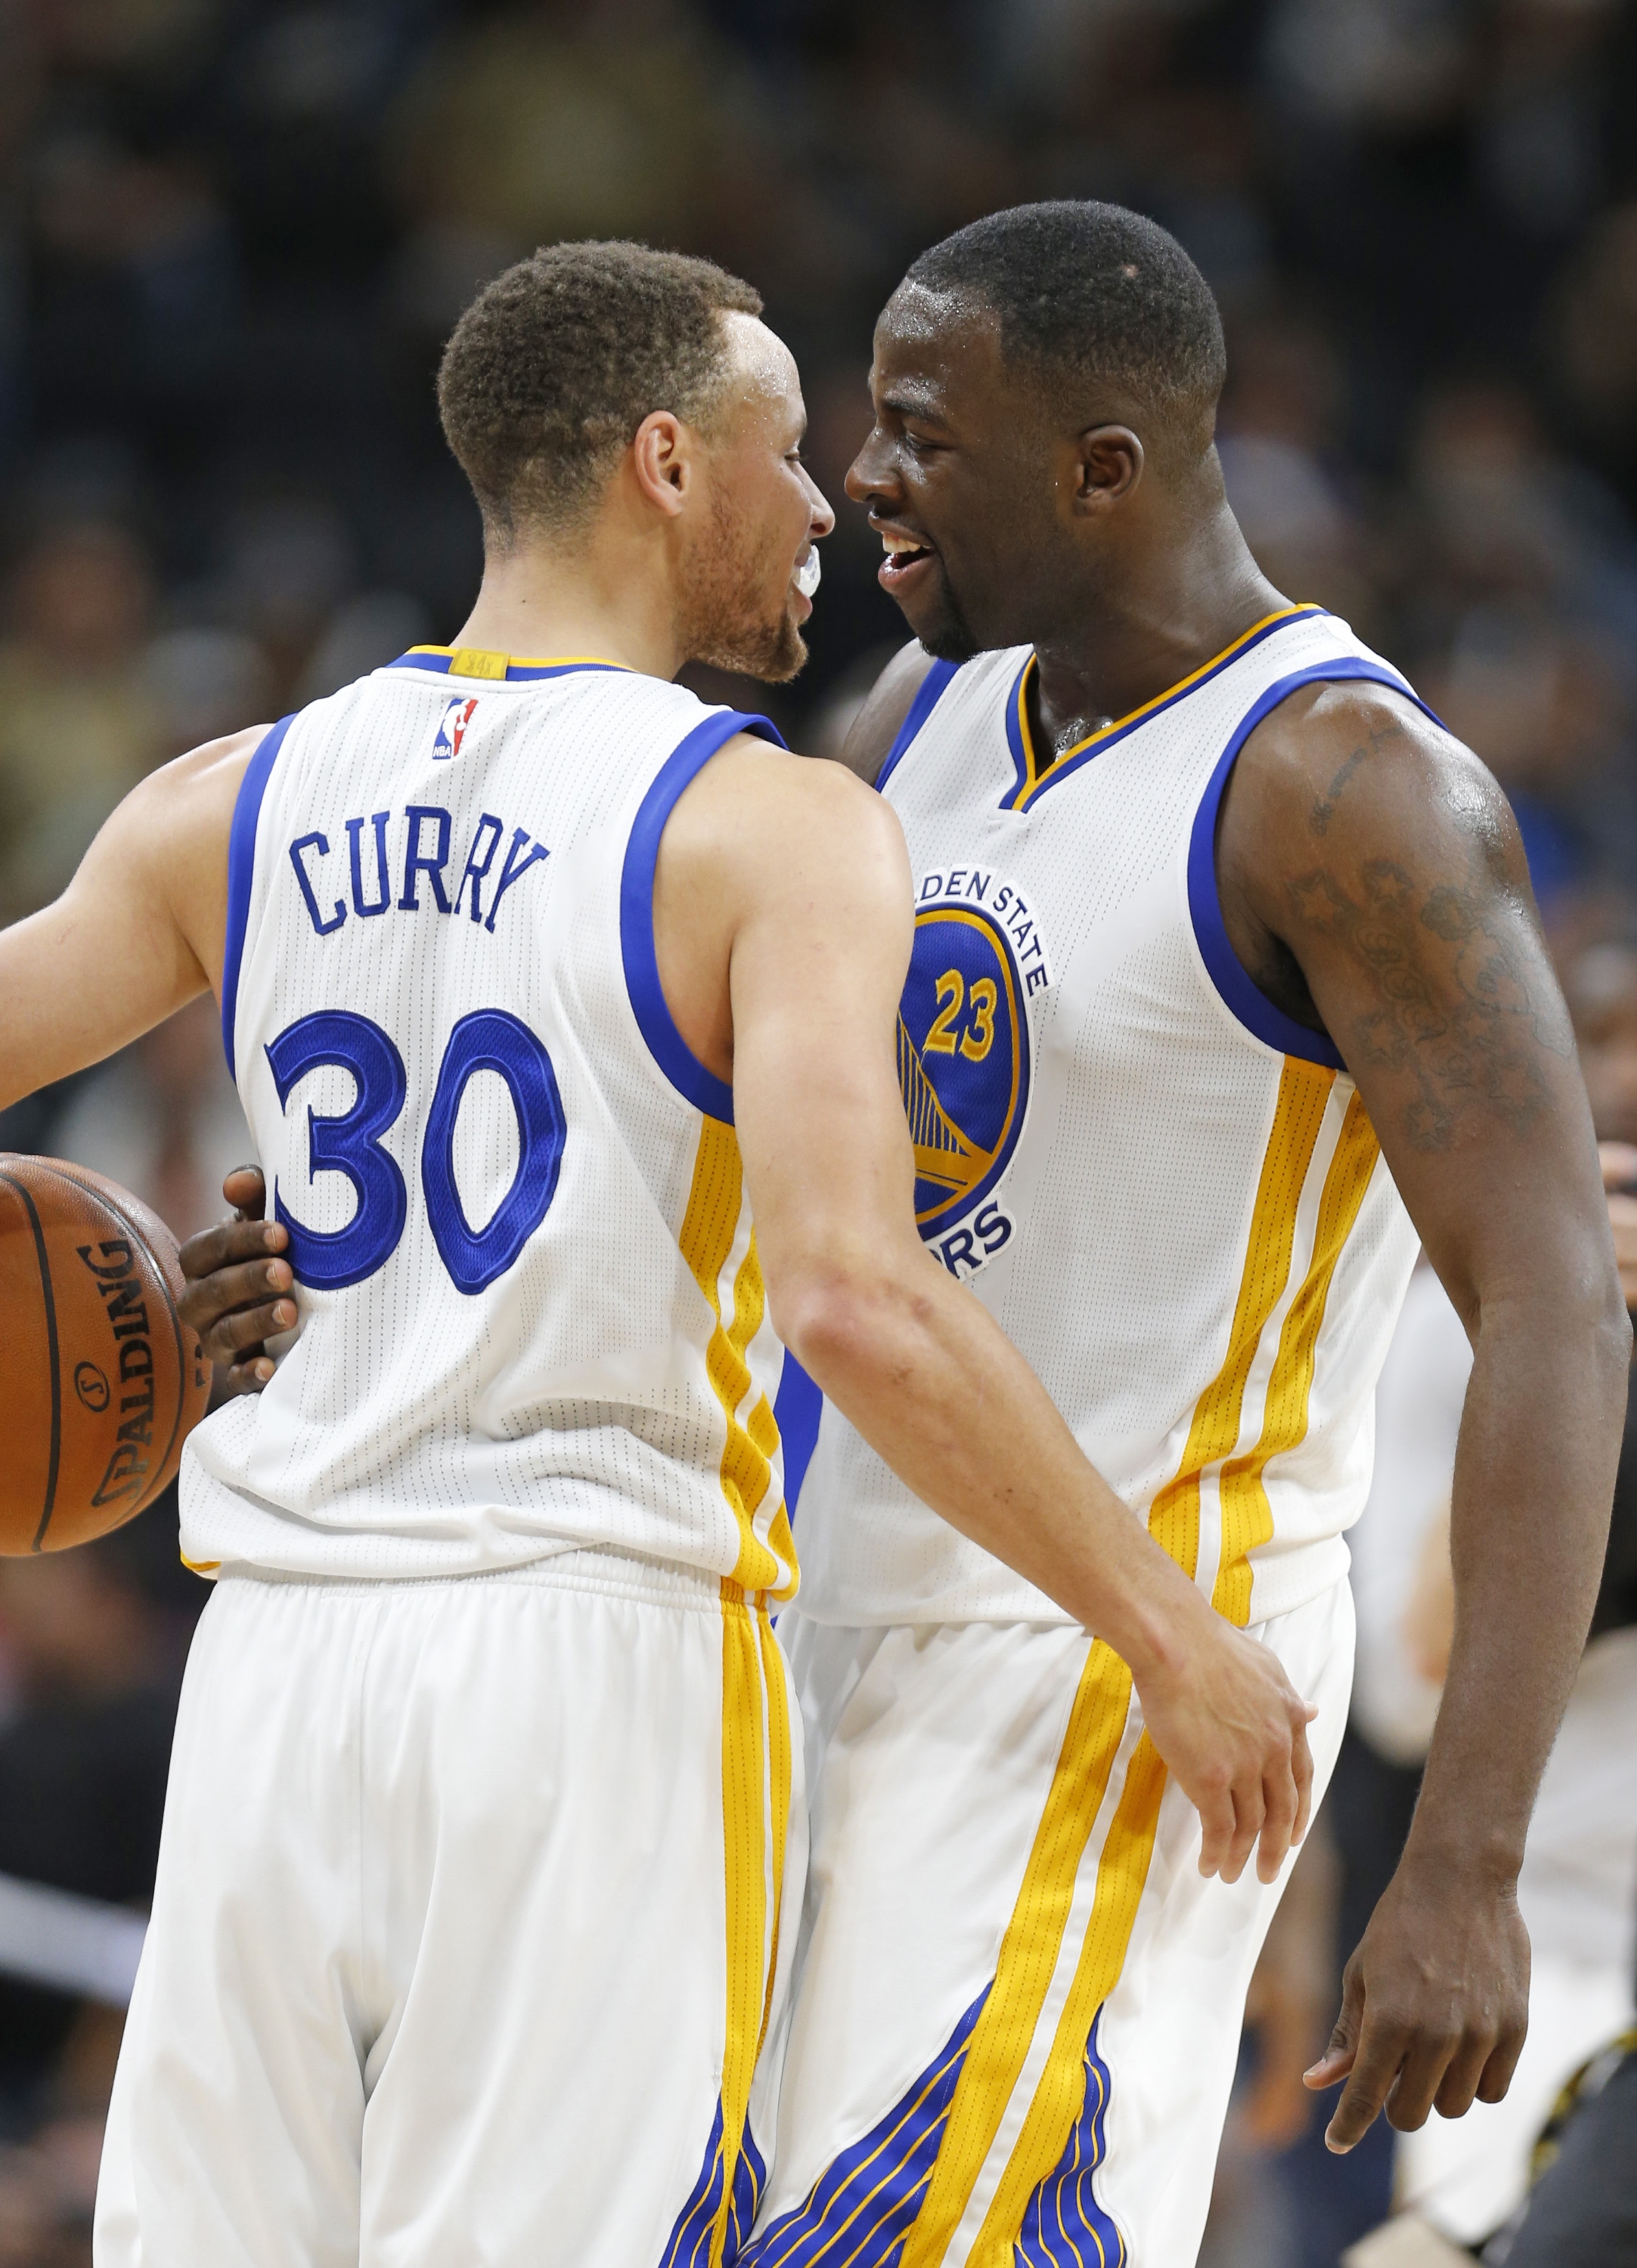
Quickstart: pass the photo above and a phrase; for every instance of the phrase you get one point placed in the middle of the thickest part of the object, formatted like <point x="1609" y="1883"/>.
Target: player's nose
<point x="821" y="512"/>
<point x="873" y="471"/>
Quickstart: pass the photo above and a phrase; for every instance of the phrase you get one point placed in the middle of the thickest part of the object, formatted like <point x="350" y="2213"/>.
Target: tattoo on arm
<point x="1323" y="810"/>
<point x="1454" y="1007"/>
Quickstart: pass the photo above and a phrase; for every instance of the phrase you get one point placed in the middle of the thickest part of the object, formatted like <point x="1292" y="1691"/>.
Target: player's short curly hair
<point x="1093" y="293"/>
<point x="556" y="363"/>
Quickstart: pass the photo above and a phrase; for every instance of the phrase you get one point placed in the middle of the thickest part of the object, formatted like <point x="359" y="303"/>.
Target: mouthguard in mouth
<point x="807" y="574"/>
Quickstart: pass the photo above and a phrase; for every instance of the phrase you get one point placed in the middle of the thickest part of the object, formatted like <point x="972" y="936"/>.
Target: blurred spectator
<point x="550" y="122"/>
<point x="1592" y="336"/>
<point x="1396" y="1690"/>
<point x="288" y="566"/>
<point x="206" y="681"/>
<point x="1277" y="445"/>
<point x="77" y="725"/>
<point x="1578" y="1888"/>
<point x="91" y="1667"/>
<point x="136" y="280"/>
<point x="1601" y="987"/>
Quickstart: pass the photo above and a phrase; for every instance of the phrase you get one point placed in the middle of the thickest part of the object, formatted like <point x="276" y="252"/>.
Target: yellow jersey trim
<point x="1247" y="1515"/>
<point x="1304" y="1091"/>
<point x="483" y="662"/>
<point x="1036" y="775"/>
<point x="710" y="1226"/>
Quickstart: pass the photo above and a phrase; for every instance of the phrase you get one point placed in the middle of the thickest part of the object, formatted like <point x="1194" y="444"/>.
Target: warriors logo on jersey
<point x="964" y="1054"/>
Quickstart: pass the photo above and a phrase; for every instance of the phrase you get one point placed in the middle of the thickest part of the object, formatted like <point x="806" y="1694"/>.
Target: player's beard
<point x="729" y="615"/>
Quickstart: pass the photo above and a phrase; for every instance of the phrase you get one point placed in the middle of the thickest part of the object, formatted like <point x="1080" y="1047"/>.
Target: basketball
<point x="99" y="1382"/>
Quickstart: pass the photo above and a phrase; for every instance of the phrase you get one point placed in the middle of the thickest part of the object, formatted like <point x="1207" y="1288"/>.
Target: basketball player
<point x="536" y="976"/>
<point x="1226" y="986"/>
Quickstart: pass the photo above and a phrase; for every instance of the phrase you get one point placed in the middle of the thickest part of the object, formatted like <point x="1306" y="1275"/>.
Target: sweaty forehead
<point x="937" y="351"/>
<point x="764" y="374"/>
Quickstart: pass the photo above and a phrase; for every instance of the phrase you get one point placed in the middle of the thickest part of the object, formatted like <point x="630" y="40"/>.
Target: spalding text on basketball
<point x="120" y="1285"/>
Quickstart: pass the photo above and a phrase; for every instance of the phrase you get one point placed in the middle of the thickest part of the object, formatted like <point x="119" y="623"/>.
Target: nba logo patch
<point x="452" y="727"/>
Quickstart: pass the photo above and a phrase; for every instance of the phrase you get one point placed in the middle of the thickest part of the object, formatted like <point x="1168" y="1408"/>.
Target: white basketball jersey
<point x="531" y="1313"/>
<point x="1166" y="1192"/>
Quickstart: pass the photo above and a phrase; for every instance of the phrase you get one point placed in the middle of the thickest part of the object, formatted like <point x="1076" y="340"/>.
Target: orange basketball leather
<point x="99" y="1383"/>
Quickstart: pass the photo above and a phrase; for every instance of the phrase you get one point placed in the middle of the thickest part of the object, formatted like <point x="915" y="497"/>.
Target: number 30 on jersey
<point x="490" y="1039"/>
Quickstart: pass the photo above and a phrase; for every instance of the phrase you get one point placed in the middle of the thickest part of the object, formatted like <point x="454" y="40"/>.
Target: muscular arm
<point x="794" y="880"/>
<point x="1373" y="879"/>
<point x="136" y="934"/>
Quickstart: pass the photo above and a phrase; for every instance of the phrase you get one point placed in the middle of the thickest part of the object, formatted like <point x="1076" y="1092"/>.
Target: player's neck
<point x="547" y="605"/>
<point x="1174" y="607"/>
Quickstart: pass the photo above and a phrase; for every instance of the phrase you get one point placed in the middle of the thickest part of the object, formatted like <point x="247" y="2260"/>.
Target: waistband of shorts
<point x="1283" y="1577"/>
<point x="605" y="1573"/>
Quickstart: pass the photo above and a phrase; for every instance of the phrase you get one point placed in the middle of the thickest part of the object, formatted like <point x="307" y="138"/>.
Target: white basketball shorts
<point x="467" y="1929"/>
<point x="1018" y="2002"/>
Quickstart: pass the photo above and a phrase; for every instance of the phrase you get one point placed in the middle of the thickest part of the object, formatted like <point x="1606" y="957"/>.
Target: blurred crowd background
<point x="233" y="234"/>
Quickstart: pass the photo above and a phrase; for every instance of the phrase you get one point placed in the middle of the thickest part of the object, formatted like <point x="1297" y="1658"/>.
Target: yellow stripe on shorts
<point x="1032" y="1947"/>
<point x="756" y="1782"/>
<point x="1029" y="1953"/>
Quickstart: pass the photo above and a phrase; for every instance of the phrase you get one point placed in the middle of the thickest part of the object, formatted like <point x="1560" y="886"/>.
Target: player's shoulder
<point x="1357" y="777"/>
<point x="761" y="825"/>
<point x="761" y="785"/>
<point x="1366" y="742"/>
<point x="202" y="778"/>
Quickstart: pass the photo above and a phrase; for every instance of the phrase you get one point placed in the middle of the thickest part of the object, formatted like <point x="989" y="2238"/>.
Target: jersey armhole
<point x="1240" y="993"/>
<point x="242" y="873"/>
<point x="665" y="1045"/>
<point x="927" y="695"/>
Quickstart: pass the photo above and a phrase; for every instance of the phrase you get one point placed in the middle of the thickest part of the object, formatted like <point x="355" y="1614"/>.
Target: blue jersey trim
<point x="927" y="694"/>
<point x="517" y="672"/>
<point x="691" y="2236"/>
<point x="676" y="1058"/>
<point x="241" y="872"/>
<point x="1015" y="737"/>
<point x="1064" y="2212"/>
<point x="871" y="2192"/>
<point x="797" y="1407"/>
<point x="1259" y="1015"/>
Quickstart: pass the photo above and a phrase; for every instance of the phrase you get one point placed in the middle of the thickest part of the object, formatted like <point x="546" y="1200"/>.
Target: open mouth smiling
<point x="905" y="555"/>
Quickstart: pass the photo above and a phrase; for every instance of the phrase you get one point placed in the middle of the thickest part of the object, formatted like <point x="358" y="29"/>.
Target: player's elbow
<point x="1602" y="1318"/>
<point x="1588" y="1324"/>
<point x="841" y="1314"/>
<point x="1612" y="1335"/>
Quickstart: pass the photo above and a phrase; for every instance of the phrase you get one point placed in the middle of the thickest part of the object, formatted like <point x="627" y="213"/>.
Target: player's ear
<point x="1109" y="462"/>
<point x="661" y="452"/>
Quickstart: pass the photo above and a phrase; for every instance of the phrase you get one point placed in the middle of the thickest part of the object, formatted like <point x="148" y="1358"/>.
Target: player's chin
<point x="773" y="653"/>
<point x="789" y="659"/>
<point x="932" y="616"/>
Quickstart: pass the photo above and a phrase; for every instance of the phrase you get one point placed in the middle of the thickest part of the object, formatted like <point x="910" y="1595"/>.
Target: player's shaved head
<point x="1045" y="385"/>
<point x="556" y="363"/>
<point x="1100" y="305"/>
